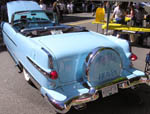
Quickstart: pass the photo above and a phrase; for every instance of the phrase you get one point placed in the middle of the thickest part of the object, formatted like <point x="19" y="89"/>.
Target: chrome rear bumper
<point x="63" y="107"/>
<point x="93" y="94"/>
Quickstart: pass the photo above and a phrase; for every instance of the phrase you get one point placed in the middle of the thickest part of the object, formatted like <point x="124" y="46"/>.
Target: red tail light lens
<point x="53" y="75"/>
<point x="133" y="57"/>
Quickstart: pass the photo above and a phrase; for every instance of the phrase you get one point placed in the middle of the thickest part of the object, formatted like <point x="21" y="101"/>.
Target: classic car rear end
<point x="70" y="65"/>
<point x="87" y="72"/>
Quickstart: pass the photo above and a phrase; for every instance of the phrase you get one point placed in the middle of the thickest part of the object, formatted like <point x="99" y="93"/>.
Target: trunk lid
<point x="70" y="51"/>
<point x="74" y="43"/>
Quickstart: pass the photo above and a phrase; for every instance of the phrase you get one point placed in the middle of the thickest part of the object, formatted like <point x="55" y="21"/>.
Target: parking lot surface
<point x="18" y="97"/>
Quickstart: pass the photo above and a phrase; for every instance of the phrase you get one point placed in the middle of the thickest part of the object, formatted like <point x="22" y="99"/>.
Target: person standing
<point x="119" y="14"/>
<point x="42" y="5"/>
<point x="68" y="8"/>
<point x="71" y="7"/>
<point x="93" y="8"/>
<point x="56" y="8"/>
<point x="132" y="15"/>
<point x="4" y="16"/>
<point x="62" y="9"/>
<point x="83" y="7"/>
<point x="139" y="16"/>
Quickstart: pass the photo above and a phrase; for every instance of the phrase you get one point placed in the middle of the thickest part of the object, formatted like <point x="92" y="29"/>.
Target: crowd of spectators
<point x="135" y="11"/>
<point x="120" y="10"/>
<point x="61" y="7"/>
<point x="139" y="18"/>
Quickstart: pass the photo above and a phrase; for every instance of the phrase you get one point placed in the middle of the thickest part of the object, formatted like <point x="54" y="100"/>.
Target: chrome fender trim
<point x="51" y="64"/>
<point x="64" y="106"/>
<point x="39" y="68"/>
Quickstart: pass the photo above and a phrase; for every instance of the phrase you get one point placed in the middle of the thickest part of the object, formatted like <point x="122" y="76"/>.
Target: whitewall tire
<point x="26" y="75"/>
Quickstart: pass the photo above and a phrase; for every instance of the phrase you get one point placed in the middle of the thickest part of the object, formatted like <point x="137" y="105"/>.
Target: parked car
<point x="70" y="65"/>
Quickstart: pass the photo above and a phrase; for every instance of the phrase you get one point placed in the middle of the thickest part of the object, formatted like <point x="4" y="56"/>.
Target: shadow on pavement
<point x="74" y="18"/>
<point x="2" y="48"/>
<point x="125" y="102"/>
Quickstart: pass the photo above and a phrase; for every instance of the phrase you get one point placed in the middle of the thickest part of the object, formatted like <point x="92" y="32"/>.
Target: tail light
<point x="53" y="75"/>
<point x="133" y="57"/>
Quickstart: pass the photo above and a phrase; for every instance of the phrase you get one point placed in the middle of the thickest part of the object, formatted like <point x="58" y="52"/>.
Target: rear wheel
<point x="28" y="78"/>
<point x="26" y="75"/>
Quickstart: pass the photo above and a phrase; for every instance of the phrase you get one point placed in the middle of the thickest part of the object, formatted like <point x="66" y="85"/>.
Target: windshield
<point x="31" y="15"/>
<point x="30" y="19"/>
<point x="40" y="23"/>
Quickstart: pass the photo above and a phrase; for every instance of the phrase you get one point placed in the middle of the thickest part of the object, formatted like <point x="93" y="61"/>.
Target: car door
<point x="9" y="37"/>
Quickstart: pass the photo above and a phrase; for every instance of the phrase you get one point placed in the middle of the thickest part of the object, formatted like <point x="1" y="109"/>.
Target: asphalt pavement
<point x="18" y="97"/>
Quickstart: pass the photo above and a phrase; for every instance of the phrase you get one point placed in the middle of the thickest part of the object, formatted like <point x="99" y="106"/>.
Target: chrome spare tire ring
<point x="103" y="62"/>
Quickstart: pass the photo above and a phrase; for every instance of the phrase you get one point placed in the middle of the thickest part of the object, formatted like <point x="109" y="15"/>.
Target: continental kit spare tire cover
<point x="103" y="65"/>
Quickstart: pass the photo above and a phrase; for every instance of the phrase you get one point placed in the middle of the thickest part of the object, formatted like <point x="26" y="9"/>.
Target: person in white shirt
<point x="68" y="7"/>
<point x="119" y="14"/>
<point x="42" y="5"/>
<point x="71" y="7"/>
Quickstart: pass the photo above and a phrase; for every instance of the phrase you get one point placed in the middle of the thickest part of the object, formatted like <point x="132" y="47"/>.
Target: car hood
<point x="16" y="6"/>
<point x="74" y="43"/>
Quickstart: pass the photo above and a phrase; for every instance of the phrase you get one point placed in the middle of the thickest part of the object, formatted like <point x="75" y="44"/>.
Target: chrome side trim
<point x="38" y="68"/>
<point x="51" y="65"/>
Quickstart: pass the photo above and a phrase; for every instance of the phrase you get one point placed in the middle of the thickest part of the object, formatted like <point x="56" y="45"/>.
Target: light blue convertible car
<point x="68" y="64"/>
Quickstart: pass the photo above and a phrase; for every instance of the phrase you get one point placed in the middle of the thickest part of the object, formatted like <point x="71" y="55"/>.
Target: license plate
<point x="54" y="32"/>
<point x="110" y="90"/>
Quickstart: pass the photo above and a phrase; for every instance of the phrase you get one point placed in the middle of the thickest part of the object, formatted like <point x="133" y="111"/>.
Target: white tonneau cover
<point x="16" y="6"/>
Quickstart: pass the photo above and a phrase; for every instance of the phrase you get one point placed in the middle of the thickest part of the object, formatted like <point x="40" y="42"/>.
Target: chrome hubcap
<point x="26" y="75"/>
